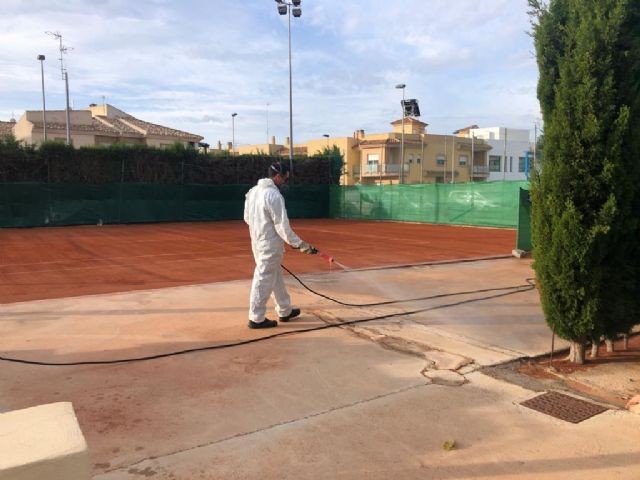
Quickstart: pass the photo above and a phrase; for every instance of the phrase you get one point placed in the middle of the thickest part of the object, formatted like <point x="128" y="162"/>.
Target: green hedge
<point x="96" y="165"/>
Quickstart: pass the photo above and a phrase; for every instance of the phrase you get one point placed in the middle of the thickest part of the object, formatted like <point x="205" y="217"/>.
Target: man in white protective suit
<point x="269" y="228"/>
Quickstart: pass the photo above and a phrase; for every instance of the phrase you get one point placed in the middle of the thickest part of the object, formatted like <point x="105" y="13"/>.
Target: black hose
<point x="515" y="289"/>
<point x="391" y="302"/>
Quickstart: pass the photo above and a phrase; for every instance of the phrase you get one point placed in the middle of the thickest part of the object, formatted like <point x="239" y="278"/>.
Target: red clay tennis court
<point x="39" y="263"/>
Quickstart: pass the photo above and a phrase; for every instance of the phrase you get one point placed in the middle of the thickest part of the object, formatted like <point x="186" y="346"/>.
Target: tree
<point x="585" y="225"/>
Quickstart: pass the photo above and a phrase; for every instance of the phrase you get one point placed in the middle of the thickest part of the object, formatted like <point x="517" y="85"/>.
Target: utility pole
<point x="472" y="157"/>
<point x="65" y="76"/>
<point x="444" y="167"/>
<point x="453" y="158"/>
<point x="504" y="152"/>
<point x="422" y="158"/>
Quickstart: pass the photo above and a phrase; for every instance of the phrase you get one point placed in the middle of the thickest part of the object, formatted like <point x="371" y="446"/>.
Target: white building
<point x="510" y="152"/>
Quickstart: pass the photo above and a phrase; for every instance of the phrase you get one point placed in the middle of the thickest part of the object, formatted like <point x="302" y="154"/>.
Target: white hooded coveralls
<point x="265" y="213"/>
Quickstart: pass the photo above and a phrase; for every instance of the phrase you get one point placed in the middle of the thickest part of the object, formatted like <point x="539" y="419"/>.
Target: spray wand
<point x="328" y="258"/>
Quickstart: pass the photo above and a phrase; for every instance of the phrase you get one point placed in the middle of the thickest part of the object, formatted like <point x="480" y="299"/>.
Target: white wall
<point x="517" y="145"/>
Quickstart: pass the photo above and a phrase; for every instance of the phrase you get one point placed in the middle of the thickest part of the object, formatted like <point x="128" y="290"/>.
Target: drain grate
<point x="564" y="407"/>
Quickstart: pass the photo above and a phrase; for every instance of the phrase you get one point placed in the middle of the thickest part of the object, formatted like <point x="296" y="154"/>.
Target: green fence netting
<point x="494" y="204"/>
<point x="497" y="204"/>
<point x="33" y="204"/>
<point x="523" y="241"/>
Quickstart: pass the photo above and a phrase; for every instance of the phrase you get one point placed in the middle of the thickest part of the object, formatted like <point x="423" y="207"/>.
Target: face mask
<point x="284" y="188"/>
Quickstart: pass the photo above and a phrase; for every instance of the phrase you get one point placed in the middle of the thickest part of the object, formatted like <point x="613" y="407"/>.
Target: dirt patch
<point x="610" y="378"/>
<point x="632" y="354"/>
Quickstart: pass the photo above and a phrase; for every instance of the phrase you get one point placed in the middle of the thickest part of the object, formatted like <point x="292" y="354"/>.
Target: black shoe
<point x="294" y="313"/>
<point x="266" y="323"/>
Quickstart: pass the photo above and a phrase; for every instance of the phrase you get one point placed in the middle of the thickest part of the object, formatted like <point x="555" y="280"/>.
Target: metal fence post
<point x="182" y="190"/>
<point x="121" y="190"/>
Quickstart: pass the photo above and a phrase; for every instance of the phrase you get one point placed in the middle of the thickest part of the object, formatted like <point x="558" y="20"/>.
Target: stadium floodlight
<point x="282" y="7"/>
<point x="411" y="107"/>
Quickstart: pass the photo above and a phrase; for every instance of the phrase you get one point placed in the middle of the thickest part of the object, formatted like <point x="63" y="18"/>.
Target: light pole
<point x="326" y="135"/>
<point x="268" y="143"/>
<point x="473" y="153"/>
<point x="286" y="8"/>
<point x="233" y="133"/>
<point x="44" y="105"/>
<point x="402" y="87"/>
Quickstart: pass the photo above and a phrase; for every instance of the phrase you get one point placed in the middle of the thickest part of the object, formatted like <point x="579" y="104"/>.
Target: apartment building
<point x="376" y="158"/>
<point x="511" y="156"/>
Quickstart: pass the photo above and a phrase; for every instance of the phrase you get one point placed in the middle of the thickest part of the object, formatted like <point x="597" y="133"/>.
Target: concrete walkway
<point x="369" y="400"/>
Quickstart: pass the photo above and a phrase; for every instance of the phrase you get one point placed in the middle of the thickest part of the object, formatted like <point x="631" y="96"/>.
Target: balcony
<point x="379" y="170"/>
<point x="481" y="170"/>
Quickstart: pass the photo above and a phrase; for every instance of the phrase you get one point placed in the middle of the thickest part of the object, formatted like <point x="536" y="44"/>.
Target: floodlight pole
<point x="402" y="87"/>
<point x="289" y="6"/>
<point x="44" y="105"/>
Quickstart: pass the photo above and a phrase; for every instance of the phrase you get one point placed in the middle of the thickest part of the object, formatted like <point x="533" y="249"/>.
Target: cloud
<point x="190" y="64"/>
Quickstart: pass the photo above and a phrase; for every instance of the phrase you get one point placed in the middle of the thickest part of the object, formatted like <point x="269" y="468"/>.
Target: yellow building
<point x="98" y="125"/>
<point x="374" y="159"/>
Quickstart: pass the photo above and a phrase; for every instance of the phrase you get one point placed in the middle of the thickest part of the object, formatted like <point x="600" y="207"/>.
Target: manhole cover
<point x="563" y="407"/>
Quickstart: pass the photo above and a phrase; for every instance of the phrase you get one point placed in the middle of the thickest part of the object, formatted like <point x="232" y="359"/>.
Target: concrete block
<point x="43" y="442"/>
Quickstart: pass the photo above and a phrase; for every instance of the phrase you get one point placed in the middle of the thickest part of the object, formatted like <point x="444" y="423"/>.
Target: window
<point x="521" y="164"/>
<point x="494" y="163"/>
<point x="511" y="164"/>
<point x="440" y="159"/>
<point x="418" y="160"/>
<point x="463" y="159"/>
<point x="372" y="163"/>
<point x="439" y="179"/>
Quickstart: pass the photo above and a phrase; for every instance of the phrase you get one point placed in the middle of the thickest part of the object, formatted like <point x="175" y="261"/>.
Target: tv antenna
<point x="62" y="48"/>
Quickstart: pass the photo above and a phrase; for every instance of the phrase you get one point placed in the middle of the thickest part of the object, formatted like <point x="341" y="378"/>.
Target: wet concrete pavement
<point x="369" y="400"/>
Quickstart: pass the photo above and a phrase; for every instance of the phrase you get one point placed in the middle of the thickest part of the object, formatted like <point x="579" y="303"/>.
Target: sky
<point x="190" y="64"/>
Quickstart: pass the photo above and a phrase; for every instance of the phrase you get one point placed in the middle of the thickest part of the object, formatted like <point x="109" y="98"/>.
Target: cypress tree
<point x="585" y="227"/>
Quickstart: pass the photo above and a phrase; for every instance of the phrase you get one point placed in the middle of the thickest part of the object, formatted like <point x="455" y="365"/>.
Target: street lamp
<point x="233" y="133"/>
<point x="44" y="105"/>
<point x="326" y="135"/>
<point x="402" y="87"/>
<point x="289" y="8"/>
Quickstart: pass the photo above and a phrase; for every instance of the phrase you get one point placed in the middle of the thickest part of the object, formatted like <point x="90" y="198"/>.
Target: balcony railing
<point x="480" y="170"/>
<point x="376" y="170"/>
